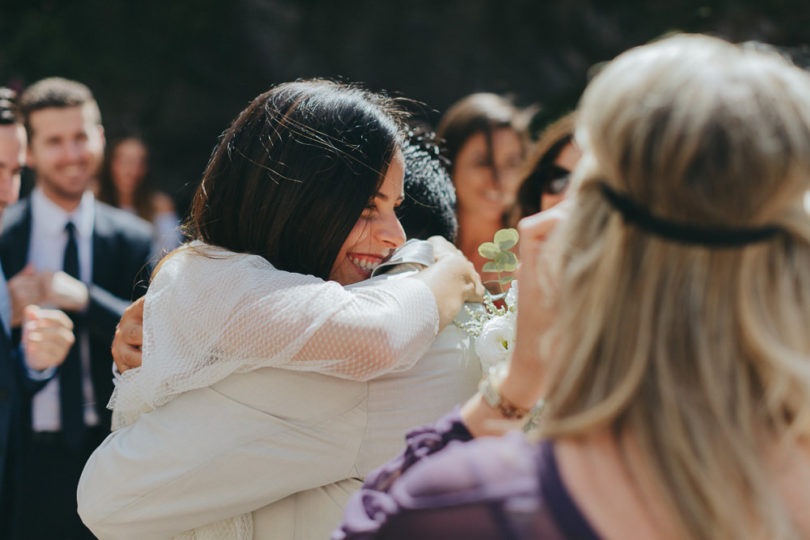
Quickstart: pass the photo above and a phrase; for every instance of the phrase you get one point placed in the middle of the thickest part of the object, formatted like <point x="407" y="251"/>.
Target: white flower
<point x="496" y="341"/>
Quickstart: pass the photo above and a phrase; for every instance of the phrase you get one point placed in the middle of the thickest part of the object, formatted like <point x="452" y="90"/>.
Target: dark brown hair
<point x="479" y="113"/>
<point x="143" y="197"/>
<point x="536" y="175"/>
<point x="293" y="173"/>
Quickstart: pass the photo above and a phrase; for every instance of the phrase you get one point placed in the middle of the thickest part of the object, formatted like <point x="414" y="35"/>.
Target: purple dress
<point x="448" y="486"/>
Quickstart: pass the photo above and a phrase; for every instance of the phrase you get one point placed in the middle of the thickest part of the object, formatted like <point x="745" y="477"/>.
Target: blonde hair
<point x="701" y="353"/>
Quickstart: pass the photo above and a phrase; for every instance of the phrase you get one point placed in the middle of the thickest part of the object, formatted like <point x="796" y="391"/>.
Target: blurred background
<point x="177" y="72"/>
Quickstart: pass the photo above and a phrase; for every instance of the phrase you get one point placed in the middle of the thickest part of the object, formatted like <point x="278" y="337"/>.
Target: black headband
<point x="635" y="214"/>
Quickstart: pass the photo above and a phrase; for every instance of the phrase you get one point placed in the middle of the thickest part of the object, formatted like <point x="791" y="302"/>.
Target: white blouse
<point x="210" y="312"/>
<point x="215" y="454"/>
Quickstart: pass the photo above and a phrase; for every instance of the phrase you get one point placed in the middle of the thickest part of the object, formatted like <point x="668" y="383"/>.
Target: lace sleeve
<point x="209" y="315"/>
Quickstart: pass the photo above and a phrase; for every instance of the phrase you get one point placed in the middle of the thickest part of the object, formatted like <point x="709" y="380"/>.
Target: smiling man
<point x="67" y="250"/>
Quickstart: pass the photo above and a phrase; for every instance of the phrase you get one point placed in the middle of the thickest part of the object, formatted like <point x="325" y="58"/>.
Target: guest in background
<point x="125" y="183"/>
<point x="47" y="338"/>
<point x="68" y="250"/>
<point x="547" y="173"/>
<point x="674" y="357"/>
<point x="485" y="141"/>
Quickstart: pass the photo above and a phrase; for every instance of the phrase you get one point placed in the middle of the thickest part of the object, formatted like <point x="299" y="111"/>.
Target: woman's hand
<point x="126" y="346"/>
<point x="452" y="279"/>
<point x="522" y="385"/>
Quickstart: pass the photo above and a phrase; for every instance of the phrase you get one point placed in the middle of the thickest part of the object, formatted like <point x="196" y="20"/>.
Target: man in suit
<point x="48" y="332"/>
<point x="67" y="250"/>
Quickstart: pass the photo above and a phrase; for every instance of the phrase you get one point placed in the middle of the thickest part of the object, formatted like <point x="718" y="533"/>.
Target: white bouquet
<point x="490" y="325"/>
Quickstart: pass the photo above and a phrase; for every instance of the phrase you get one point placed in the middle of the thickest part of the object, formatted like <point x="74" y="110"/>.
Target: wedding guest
<point x="48" y="335"/>
<point x="485" y="138"/>
<point x="547" y="173"/>
<point x="674" y="357"/>
<point x="125" y="183"/>
<point x="67" y="250"/>
<point x="254" y="312"/>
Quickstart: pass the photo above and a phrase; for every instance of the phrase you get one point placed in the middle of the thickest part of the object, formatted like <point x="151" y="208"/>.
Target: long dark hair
<point x="292" y="174"/>
<point x="142" y="197"/>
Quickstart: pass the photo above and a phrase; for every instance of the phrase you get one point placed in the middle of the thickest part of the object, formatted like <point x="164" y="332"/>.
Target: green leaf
<point x="506" y="260"/>
<point x="506" y="279"/>
<point x="488" y="250"/>
<point x="490" y="267"/>
<point x="506" y="238"/>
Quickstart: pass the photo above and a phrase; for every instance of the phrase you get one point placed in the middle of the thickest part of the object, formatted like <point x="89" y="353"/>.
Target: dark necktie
<point x="70" y="379"/>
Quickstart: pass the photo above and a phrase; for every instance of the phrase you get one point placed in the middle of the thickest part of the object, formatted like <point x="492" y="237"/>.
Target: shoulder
<point x="480" y="470"/>
<point x="162" y="203"/>
<point x="15" y="215"/>
<point x="111" y="220"/>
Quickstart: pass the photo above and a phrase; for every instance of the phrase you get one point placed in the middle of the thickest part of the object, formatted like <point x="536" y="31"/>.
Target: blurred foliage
<point x="178" y="72"/>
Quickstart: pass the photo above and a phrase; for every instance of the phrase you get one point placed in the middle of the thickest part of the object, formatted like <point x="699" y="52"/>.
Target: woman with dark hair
<point x="548" y="169"/>
<point x="244" y="323"/>
<point x="675" y="358"/>
<point x="484" y="138"/>
<point x="125" y="183"/>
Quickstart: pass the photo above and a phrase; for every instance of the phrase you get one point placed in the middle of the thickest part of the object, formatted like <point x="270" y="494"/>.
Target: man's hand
<point x="25" y="288"/>
<point x="126" y="346"/>
<point x="47" y="337"/>
<point x="64" y="291"/>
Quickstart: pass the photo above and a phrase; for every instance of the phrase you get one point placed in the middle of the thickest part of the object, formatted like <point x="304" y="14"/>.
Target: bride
<point x="297" y="201"/>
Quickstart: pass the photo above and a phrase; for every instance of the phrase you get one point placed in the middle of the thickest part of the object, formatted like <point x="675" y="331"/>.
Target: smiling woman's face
<point x="486" y="183"/>
<point x="376" y="234"/>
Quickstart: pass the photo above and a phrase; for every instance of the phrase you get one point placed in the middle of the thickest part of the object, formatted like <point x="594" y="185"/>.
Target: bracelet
<point x="494" y="399"/>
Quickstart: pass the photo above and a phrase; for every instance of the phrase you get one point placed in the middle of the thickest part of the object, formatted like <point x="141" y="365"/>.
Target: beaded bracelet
<point x="494" y="399"/>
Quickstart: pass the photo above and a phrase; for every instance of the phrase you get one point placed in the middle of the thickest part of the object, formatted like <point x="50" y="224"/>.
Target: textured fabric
<point x="270" y="433"/>
<point x="447" y="486"/>
<point x="210" y="312"/>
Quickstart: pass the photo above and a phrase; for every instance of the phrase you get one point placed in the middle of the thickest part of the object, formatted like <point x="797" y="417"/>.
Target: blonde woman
<point x="677" y="367"/>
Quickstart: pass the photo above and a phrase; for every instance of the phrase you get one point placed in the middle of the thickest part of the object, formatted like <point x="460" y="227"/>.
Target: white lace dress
<point x="211" y="313"/>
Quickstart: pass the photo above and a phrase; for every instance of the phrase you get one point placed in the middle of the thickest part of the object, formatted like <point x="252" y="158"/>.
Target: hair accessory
<point x="634" y="213"/>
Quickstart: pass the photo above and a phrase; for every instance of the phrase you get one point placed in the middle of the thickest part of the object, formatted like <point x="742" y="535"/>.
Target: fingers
<point x="65" y="291"/>
<point x="442" y="248"/>
<point x="126" y="345"/>
<point x="47" y="337"/>
<point x="130" y="328"/>
<point x="126" y="358"/>
<point x="48" y="317"/>
<point x="24" y="289"/>
<point x="537" y="227"/>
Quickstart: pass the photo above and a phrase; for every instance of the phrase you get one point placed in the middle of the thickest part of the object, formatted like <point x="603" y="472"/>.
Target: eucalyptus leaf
<point x="506" y="279"/>
<point x="490" y="267"/>
<point x="506" y="238"/>
<point x="488" y="250"/>
<point x="509" y="262"/>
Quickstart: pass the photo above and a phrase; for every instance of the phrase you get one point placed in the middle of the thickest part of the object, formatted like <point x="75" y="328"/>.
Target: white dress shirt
<point x="46" y="254"/>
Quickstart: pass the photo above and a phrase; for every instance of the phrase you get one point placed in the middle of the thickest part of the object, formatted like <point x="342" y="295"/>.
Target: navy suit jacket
<point x="15" y="388"/>
<point x="121" y="250"/>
